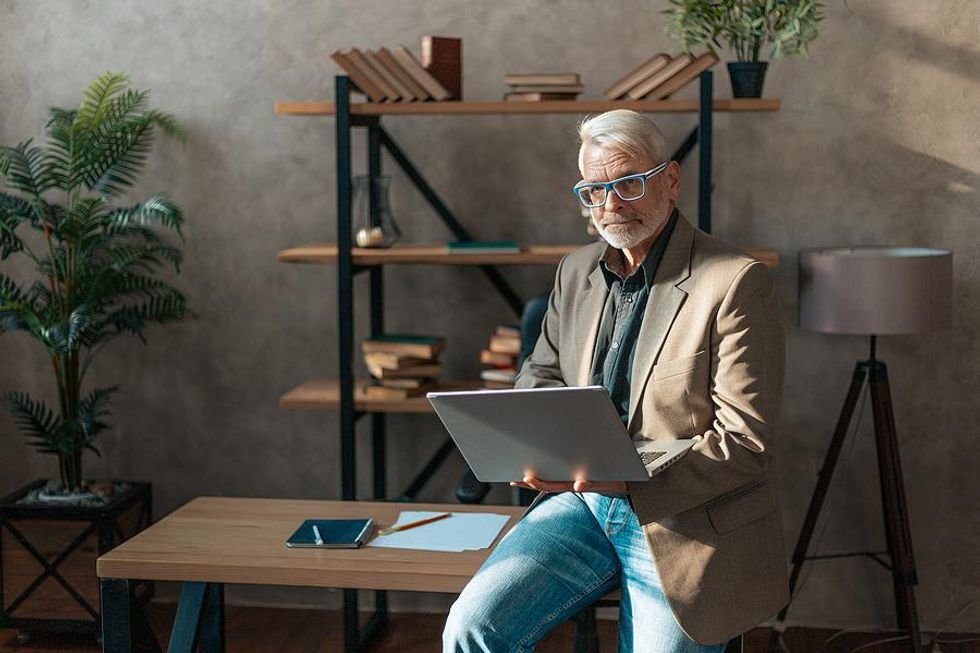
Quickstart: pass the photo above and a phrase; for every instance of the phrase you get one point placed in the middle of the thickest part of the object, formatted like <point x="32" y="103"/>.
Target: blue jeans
<point x="568" y="552"/>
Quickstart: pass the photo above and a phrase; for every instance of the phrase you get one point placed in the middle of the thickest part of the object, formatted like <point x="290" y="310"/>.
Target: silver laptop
<point x="554" y="434"/>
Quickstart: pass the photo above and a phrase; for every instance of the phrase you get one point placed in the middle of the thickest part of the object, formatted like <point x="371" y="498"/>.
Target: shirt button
<point x="615" y="345"/>
<point x="629" y="298"/>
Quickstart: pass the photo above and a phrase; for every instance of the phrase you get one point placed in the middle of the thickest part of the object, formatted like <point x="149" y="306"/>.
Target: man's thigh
<point x="554" y="562"/>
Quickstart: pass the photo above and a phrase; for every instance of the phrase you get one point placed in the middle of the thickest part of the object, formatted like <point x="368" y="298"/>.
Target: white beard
<point x="627" y="236"/>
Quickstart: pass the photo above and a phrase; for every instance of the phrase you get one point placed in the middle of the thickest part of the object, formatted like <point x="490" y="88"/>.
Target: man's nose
<point x="613" y="201"/>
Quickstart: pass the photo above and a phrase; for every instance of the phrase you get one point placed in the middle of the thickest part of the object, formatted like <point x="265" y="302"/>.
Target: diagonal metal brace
<point x="50" y="568"/>
<point x="455" y="227"/>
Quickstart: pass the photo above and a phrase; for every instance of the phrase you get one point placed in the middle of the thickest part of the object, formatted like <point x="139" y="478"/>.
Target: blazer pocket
<point x="677" y="366"/>
<point x="735" y="510"/>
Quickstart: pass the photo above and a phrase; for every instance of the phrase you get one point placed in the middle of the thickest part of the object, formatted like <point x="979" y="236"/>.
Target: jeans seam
<point x="551" y="617"/>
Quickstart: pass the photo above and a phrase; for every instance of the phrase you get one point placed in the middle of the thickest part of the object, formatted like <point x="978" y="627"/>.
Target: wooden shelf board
<point x="324" y="394"/>
<point x="431" y="254"/>
<point x="438" y="255"/>
<point x="286" y="108"/>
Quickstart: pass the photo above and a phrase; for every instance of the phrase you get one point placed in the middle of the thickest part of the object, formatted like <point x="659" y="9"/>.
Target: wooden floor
<point x="265" y="630"/>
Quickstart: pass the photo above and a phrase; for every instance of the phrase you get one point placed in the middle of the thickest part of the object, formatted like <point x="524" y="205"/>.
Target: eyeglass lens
<point x="628" y="189"/>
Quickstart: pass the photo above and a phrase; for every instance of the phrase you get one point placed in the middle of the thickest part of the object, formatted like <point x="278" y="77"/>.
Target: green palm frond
<point x="22" y="167"/>
<point x="34" y="419"/>
<point x="158" y="310"/>
<point x="96" y="98"/>
<point x="9" y="290"/>
<point x="93" y="409"/>
<point x="156" y="209"/>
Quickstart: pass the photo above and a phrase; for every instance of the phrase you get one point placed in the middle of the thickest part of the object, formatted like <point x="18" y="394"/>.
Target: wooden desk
<point x="212" y="541"/>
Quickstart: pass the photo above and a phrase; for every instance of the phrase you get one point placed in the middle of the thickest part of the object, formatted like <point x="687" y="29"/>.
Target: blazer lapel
<point x="662" y="306"/>
<point x="591" y="309"/>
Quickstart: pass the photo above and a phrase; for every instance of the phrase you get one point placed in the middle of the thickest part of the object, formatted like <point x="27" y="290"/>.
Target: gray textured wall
<point x="876" y="143"/>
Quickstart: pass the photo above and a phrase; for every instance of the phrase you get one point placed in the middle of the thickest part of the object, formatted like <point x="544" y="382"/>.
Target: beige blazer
<point x="708" y="365"/>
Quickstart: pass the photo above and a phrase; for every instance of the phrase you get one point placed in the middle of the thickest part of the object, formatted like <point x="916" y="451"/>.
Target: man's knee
<point x="469" y="629"/>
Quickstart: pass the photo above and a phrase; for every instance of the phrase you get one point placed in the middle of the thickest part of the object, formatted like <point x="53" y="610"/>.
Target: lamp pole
<point x="899" y="539"/>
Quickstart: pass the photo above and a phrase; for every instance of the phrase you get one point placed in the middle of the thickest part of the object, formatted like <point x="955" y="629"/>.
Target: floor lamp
<point x="873" y="291"/>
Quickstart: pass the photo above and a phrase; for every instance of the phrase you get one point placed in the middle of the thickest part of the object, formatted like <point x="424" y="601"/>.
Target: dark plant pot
<point x="747" y="77"/>
<point x="66" y="598"/>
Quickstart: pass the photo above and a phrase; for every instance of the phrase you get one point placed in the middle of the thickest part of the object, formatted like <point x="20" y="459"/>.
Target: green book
<point x="420" y="346"/>
<point x="483" y="247"/>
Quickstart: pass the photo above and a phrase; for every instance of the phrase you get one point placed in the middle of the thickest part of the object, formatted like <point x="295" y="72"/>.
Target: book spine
<point x="442" y="57"/>
<point x="411" y="65"/>
<point x="361" y="81"/>
<point x="385" y="57"/>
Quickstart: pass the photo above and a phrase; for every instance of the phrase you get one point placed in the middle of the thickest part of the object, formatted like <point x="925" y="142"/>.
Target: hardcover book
<point x="442" y="57"/>
<point x="637" y="75"/>
<point x="410" y="345"/>
<point x="357" y="57"/>
<point x="331" y="534"/>
<point x="416" y="371"/>
<point x="497" y="359"/>
<point x="547" y="88"/>
<point x="483" y="247"/>
<point x="538" y="97"/>
<point x="381" y="392"/>
<point x="541" y="79"/>
<point x="505" y="344"/>
<point x="412" y="66"/>
<point x="683" y="77"/>
<point x="360" y="79"/>
<point x="395" y="89"/>
<point x="640" y="91"/>
<point x="385" y="57"/>
<point x="383" y="360"/>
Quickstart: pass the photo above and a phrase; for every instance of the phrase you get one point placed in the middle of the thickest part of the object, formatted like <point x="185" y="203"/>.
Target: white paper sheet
<point x="462" y="531"/>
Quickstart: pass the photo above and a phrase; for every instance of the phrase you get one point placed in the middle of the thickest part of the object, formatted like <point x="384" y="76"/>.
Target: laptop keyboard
<point x="649" y="456"/>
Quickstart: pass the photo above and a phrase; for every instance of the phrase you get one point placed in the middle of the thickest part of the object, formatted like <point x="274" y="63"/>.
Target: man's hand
<point x="578" y="485"/>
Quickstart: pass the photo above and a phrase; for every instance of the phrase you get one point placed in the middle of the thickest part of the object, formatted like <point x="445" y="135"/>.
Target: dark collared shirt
<point x="619" y="327"/>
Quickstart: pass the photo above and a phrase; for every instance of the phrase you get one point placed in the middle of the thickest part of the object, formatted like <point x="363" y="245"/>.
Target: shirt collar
<point x="612" y="261"/>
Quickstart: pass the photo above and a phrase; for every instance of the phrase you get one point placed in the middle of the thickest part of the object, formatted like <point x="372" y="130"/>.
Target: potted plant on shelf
<point x="745" y="26"/>
<point x="90" y="270"/>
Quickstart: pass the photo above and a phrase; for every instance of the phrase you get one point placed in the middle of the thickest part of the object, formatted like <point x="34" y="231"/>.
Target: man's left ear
<point x="674" y="180"/>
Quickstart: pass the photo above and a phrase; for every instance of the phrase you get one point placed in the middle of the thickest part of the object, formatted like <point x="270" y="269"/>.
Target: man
<point x="685" y="333"/>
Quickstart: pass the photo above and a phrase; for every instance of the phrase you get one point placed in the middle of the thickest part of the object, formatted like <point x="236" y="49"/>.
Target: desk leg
<point x="200" y="622"/>
<point x="124" y="625"/>
<point x="117" y="622"/>
<point x="352" y="632"/>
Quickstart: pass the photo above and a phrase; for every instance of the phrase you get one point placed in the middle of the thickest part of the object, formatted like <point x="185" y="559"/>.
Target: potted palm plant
<point x="745" y="26"/>
<point x="90" y="270"/>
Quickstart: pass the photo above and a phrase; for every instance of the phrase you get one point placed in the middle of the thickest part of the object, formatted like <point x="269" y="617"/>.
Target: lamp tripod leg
<point x="893" y="504"/>
<point x="820" y="492"/>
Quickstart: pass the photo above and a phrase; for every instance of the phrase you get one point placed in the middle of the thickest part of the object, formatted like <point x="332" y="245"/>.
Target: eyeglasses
<point x="629" y="188"/>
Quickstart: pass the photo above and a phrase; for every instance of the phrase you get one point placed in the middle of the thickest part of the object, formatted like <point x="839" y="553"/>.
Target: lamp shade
<point x="875" y="290"/>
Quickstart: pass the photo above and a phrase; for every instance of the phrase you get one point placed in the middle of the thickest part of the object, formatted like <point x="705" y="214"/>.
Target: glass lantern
<point x="379" y="229"/>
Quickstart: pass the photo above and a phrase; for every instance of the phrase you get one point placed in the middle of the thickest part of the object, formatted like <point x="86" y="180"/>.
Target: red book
<point x="443" y="58"/>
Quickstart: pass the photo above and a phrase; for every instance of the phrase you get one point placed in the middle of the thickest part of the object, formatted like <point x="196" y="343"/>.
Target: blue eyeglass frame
<point x="610" y="185"/>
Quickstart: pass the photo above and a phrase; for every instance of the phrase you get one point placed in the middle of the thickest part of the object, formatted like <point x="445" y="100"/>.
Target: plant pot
<point x="747" y="77"/>
<point x="69" y="538"/>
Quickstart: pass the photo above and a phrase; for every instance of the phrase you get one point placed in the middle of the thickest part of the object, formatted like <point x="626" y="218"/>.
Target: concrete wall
<point x="876" y="143"/>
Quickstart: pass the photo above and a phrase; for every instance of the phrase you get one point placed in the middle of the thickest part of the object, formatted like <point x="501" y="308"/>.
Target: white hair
<point x="626" y="131"/>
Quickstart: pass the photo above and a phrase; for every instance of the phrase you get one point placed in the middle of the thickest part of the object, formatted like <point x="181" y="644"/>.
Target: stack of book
<point x="538" y="87"/>
<point x="660" y="77"/>
<point x="403" y="366"/>
<point x="501" y="355"/>
<point x="396" y="75"/>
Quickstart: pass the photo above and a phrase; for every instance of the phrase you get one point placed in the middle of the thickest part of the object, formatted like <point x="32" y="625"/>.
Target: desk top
<point x="231" y="540"/>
